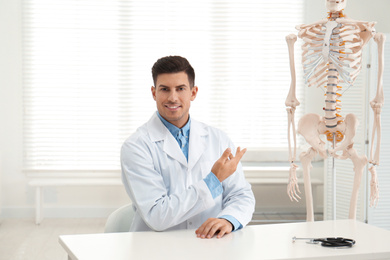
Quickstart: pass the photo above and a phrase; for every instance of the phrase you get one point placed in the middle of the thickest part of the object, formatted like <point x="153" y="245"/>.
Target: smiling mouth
<point x="172" y="107"/>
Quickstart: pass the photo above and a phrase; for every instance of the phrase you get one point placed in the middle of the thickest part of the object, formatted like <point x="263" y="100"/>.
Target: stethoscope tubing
<point x="335" y="242"/>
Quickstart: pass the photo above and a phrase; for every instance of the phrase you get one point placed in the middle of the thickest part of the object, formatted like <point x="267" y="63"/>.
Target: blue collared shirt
<point x="178" y="133"/>
<point x="211" y="180"/>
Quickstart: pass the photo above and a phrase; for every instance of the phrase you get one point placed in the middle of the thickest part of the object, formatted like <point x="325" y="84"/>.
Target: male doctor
<point x="181" y="173"/>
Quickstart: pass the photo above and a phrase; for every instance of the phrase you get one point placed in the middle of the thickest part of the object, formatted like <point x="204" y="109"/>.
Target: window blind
<point x="87" y="72"/>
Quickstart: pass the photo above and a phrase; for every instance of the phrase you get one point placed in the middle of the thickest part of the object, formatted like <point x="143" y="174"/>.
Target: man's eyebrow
<point x="179" y="86"/>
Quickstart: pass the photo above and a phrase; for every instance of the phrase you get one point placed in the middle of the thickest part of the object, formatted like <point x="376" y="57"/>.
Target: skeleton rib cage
<point x="345" y="53"/>
<point x="332" y="57"/>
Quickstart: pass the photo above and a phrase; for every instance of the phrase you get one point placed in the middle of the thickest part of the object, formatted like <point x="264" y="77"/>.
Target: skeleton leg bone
<point x="309" y="127"/>
<point x="359" y="163"/>
<point x="374" y="159"/>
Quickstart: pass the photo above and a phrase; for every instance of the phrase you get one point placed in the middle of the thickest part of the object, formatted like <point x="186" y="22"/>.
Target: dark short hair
<point x="173" y="64"/>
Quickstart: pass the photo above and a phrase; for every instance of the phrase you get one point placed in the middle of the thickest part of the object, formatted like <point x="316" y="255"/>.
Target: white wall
<point x="16" y="198"/>
<point x="13" y="181"/>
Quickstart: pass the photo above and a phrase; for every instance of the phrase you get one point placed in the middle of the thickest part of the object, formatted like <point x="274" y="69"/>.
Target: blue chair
<point x="120" y="220"/>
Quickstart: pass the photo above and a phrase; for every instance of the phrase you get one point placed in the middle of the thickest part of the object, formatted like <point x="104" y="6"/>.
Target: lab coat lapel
<point x="197" y="143"/>
<point x="172" y="148"/>
<point x="158" y="132"/>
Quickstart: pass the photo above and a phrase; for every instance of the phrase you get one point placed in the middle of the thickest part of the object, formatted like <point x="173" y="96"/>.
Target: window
<point x="87" y="72"/>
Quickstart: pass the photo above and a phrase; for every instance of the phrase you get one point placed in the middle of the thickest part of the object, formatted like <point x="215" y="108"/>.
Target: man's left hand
<point x="214" y="226"/>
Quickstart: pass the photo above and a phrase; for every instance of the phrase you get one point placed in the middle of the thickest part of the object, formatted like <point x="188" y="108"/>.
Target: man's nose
<point x="172" y="96"/>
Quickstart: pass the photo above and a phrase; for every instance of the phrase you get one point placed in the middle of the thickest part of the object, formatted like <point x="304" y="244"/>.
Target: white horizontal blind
<point x="249" y="72"/>
<point x="87" y="72"/>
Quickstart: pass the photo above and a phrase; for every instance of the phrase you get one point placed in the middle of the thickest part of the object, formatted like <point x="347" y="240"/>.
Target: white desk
<point x="252" y="242"/>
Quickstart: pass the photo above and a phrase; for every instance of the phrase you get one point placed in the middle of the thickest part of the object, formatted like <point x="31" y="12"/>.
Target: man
<point x="178" y="172"/>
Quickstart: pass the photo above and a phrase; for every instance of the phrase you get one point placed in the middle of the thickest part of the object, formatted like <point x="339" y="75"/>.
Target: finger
<point x="239" y="154"/>
<point x="289" y="193"/>
<point x="200" y="230"/>
<point x="217" y="226"/>
<point x="295" y="192"/>
<point x="226" y="154"/>
<point x="298" y="187"/>
<point x="296" y="196"/>
<point x="212" y="231"/>
<point x="223" y="232"/>
<point x="226" y="228"/>
<point x="211" y="228"/>
<point x="205" y="228"/>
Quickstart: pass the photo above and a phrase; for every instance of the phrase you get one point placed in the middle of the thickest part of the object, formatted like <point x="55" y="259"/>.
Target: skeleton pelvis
<point x="311" y="126"/>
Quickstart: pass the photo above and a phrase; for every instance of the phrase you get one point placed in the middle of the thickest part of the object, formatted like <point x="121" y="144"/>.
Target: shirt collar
<point x="174" y="129"/>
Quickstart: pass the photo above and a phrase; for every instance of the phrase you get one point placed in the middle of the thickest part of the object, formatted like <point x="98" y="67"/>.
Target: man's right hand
<point x="227" y="164"/>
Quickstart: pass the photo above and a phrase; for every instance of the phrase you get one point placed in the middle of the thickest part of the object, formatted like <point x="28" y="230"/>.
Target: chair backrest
<point x="120" y="220"/>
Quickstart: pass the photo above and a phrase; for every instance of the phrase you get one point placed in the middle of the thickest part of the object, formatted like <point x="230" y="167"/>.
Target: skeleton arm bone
<point x="291" y="104"/>
<point x="377" y="102"/>
<point x="374" y="194"/>
<point x="291" y="100"/>
<point x="376" y="105"/>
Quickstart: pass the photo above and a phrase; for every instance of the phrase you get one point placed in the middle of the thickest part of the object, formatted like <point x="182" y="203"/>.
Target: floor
<point x="22" y="239"/>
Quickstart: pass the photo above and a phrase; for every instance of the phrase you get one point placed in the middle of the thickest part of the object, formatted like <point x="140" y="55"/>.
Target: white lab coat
<point x="167" y="191"/>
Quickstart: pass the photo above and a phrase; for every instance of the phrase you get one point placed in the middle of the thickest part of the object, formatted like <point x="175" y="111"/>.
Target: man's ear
<point x="153" y="89"/>
<point x="194" y="92"/>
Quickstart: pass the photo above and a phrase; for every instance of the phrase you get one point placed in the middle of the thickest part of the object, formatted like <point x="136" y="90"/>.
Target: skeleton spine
<point x="332" y="104"/>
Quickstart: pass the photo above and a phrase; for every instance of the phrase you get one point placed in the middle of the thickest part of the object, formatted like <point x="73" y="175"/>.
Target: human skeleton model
<point x="332" y="55"/>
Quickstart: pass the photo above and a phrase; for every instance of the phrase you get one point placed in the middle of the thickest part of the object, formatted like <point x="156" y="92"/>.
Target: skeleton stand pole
<point x="334" y="178"/>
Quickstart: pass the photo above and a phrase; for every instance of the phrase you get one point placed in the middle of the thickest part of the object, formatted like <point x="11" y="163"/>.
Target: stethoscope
<point x="329" y="241"/>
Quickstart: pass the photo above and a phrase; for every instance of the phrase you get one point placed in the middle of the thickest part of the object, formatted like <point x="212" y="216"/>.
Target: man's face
<point x="173" y="97"/>
<point x="335" y="5"/>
